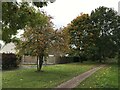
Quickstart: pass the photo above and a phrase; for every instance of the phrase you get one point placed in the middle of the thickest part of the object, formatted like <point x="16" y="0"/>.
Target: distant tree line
<point x="95" y="36"/>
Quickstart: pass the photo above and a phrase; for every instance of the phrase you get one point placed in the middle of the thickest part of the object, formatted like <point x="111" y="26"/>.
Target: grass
<point x="106" y="77"/>
<point x="49" y="78"/>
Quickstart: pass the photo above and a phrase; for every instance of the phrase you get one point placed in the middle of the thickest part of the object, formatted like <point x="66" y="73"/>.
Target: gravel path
<point x="72" y="83"/>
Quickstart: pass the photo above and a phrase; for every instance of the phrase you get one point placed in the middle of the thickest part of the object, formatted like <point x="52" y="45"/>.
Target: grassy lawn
<point x="106" y="77"/>
<point x="50" y="77"/>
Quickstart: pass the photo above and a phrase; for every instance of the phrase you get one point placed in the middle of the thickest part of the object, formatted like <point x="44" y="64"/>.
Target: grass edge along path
<point x="106" y="77"/>
<point x="51" y="77"/>
<point x="78" y="79"/>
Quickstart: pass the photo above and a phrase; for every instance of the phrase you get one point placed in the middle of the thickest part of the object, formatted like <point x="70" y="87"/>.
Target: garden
<point x="88" y="42"/>
<point x="54" y="75"/>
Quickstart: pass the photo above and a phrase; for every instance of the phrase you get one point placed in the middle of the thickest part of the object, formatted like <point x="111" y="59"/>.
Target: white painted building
<point x="8" y="48"/>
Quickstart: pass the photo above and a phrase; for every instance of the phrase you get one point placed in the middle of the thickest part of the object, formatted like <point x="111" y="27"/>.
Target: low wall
<point x="33" y="60"/>
<point x="50" y="60"/>
<point x="29" y="60"/>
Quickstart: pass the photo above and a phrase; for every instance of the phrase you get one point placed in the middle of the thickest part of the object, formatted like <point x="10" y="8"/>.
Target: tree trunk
<point x="40" y="62"/>
<point x="37" y="63"/>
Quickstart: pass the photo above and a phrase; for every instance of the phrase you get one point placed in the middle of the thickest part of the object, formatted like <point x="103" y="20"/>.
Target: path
<point x="72" y="83"/>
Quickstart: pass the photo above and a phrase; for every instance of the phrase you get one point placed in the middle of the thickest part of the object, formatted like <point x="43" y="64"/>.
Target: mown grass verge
<point x="49" y="78"/>
<point x="106" y="77"/>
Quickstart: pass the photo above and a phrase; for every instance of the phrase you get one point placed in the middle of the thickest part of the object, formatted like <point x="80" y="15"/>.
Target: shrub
<point x="63" y="60"/>
<point x="70" y="59"/>
<point x="10" y="61"/>
<point x="76" y="59"/>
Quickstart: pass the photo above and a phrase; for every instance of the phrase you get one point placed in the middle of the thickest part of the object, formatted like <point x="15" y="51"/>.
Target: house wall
<point x="33" y="60"/>
<point x="29" y="60"/>
<point x="51" y="60"/>
<point x="8" y="48"/>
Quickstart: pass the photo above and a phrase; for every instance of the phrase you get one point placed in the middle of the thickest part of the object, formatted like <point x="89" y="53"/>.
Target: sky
<point x="64" y="11"/>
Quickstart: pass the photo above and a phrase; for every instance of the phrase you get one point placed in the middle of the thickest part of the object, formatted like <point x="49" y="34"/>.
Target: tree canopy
<point x="16" y="16"/>
<point x="37" y="37"/>
<point x="94" y="35"/>
<point x="105" y="22"/>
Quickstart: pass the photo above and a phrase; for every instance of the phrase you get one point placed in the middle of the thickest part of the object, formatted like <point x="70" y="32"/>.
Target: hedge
<point x="62" y="60"/>
<point x="10" y="61"/>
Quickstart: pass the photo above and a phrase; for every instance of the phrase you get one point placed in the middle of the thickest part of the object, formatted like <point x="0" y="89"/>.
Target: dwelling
<point x="10" y="48"/>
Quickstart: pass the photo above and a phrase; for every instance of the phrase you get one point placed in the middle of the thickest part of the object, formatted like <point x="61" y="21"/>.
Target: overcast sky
<point x="64" y="11"/>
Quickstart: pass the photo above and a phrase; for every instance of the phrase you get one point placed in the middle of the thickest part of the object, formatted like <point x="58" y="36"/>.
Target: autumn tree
<point x="95" y="36"/>
<point x="81" y="35"/>
<point x="60" y="46"/>
<point x="37" y="37"/>
<point x="66" y="40"/>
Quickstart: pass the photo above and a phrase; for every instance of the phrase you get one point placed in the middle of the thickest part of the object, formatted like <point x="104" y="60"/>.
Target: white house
<point x="8" y="48"/>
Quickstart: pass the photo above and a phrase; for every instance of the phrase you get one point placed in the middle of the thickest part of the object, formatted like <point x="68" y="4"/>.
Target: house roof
<point x="8" y="48"/>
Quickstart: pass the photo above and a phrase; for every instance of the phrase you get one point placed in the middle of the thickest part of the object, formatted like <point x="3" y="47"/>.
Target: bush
<point x="76" y="59"/>
<point x="63" y="60"/>
<point x="70" y="59"/>
<point x="10" y="61"/>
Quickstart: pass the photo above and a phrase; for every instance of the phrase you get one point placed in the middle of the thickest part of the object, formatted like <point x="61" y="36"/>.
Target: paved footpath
<point x="72" y="83"/>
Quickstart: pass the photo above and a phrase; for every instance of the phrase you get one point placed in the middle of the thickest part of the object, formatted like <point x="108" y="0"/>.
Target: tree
<point x="41" y="3"/>
<point x="105" y="22"/>
<point x="116" y="37"/>
<point x="37" y="38"/>
<point x="81" y="36"/>
<point x="66" y="40"/>
<point x="95" y="35"/>
<point x="60" y="46"/>
<point x="15" y="16"/>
